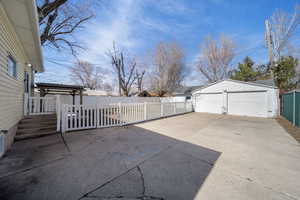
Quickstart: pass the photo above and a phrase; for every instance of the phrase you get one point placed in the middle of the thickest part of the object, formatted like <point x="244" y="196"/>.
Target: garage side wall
<point x="229" y="87"/>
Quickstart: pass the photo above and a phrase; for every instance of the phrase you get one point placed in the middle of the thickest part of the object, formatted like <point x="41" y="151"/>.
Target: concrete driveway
<point x="192" y="156"/>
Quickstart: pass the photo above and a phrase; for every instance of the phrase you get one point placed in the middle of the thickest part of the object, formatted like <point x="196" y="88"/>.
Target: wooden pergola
<point x="54" y="88"/>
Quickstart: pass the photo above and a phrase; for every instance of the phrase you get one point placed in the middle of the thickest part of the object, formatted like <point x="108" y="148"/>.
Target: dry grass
<point x="288" y="126"/>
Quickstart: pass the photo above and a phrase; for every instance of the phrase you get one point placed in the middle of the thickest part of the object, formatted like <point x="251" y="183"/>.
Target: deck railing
<point x="78" y="117"/>
<point x="39" y="105"/>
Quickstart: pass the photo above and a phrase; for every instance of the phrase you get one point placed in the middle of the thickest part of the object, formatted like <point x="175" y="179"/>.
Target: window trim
<point x="15" y="69"/>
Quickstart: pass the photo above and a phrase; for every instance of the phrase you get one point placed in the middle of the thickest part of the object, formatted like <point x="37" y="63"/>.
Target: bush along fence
<point x="78" y="117"/>
<point x="291" y="107"/>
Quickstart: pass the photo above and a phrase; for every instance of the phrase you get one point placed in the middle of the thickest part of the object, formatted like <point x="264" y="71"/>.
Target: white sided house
<point x="254" y="99"/>
<point x="20" y="58"/>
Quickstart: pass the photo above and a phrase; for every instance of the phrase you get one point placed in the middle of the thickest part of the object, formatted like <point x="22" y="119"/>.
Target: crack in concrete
<point x="142" y="197"/>
<point x="65" y="142"/>
<point x="126" y="197"/>
<point x="142" y="179"/>
<point x="116" y="177"/>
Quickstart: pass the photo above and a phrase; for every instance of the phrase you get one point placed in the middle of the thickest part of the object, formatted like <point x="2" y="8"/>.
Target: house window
<point x="12" y="66"/>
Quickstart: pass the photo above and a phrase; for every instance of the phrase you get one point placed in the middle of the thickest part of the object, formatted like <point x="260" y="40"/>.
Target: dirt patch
<point x="288" y="126"/>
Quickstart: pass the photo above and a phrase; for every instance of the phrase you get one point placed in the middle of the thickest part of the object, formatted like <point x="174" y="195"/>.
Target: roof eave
<point x="24" y="18"/>
<point x="35" y="26"/>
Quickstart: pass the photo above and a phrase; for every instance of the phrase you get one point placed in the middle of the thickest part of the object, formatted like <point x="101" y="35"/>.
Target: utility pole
<point x="269" y="44"/>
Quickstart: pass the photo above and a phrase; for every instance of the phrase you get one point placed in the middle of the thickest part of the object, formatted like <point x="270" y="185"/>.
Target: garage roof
<point x="23" y="16"/>
<point x="185" y="91"/>
<point x="263" y="83"/>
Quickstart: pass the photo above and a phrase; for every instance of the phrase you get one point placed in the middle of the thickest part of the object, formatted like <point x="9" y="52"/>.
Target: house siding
<point x="11" y="88"/>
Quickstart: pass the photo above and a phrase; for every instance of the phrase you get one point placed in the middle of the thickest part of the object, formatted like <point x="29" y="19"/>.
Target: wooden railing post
<point x="26" y="104"/>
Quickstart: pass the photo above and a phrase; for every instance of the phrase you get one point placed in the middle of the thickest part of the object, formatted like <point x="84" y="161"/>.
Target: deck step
<point x="31" y="130"/>
<point x="34" y="135"/>
<point x="39" y="117"/>
<point x="34" y="126"/>
<point x="23" y="125"/>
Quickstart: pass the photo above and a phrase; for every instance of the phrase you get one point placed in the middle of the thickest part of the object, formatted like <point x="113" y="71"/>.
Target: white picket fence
<point x="39" y="105"/>
<point x="92" y="100"/>
<point x="78" y="117"/>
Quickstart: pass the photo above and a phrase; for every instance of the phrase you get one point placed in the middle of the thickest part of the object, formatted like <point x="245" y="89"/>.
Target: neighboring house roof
<point x="96" y="92"/>
<point x="24" y="18"/>
<point x="269" y="82"/>
<point x="185" y="91"/>
<point x="264" y="83"/>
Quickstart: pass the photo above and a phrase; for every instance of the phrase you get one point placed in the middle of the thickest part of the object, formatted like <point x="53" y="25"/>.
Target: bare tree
<point x="215" y="58"/>
<point x="282" y="28"/>
<point x="86" y="74"/>
<point x="59" y="19"/>
<point x="139" y="80"/>
<point x="108" y="88"/>
<point x="124" y="69"/>
<point x="169" y="68"/>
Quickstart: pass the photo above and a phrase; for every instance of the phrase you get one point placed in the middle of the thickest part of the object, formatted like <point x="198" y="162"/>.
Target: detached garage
<point x="255" y="99"/>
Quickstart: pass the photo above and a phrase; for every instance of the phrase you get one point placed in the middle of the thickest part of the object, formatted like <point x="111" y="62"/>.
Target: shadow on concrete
<point x="113" y="163"/>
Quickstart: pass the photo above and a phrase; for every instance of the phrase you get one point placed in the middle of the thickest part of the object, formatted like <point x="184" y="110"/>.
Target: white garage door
<point x="248" y="104"/>
<point x="210" y="103"/>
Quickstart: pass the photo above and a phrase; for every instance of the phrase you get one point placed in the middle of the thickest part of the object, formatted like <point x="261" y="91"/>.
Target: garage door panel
<point x="247" y="104"/>
<point x="210" y="103"/>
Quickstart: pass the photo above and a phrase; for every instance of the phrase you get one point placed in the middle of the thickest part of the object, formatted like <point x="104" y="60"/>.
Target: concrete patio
<point x="192" y="156"/>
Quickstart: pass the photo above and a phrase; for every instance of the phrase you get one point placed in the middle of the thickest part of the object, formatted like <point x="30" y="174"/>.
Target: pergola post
<point x="80" y="93"/>
<point x="73" y="95"/>
<point x="42" y="92"/>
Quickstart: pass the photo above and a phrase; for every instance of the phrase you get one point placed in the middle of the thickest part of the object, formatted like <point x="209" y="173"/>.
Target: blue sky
<point x="138" y="25"/>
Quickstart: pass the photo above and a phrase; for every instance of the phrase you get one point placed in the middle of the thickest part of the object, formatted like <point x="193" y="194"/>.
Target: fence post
<point x="174" y="107"/>
<point x="145" y="110"/>
<point x="63" y="118"/>
<point x="58" y="113"/>
<point x="294" y="107"/>
<point x="120" y="114"/>
<point x="97" y="114"/>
